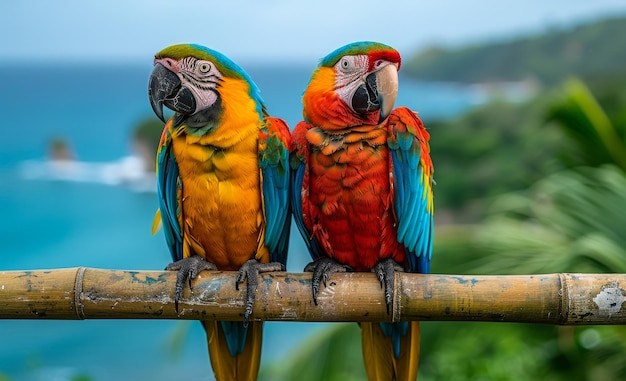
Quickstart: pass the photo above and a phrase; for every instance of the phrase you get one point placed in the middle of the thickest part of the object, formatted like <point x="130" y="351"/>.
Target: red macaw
<point x="223" y="184"/>
<point x="362" y="195"/>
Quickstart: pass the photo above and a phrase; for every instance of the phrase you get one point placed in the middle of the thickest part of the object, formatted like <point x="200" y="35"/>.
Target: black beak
<point x="365" y="99"/>
<point x="378" y="92"/>
<point x="165" y="88"/>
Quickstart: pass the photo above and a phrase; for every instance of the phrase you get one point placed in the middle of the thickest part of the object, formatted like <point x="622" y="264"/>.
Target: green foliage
<point x="484" y="351"/>
<point x="147" y="137"/>
<point x="597" y="139"/>
<point x="610" y="91"/>
<point x="491" y="150"/>
<point x="548" y="57"/>
<point x="569" y="222"/>
<point x="332" y="355"/>
<point x="149" y="131"/>
<point x="497" y="351"/>
<point x="502" y="147"/>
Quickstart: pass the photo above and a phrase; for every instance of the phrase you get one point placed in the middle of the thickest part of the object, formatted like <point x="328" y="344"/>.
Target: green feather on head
<point x="355" y="48"/>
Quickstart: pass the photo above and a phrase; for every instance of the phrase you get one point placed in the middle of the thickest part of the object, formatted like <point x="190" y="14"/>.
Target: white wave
<point x="128" y="171"/>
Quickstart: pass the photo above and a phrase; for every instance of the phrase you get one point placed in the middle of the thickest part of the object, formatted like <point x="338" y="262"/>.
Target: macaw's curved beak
<point x="378" y="92"/>
<point x="387" y="80"/>
<point x="165" y="88"/>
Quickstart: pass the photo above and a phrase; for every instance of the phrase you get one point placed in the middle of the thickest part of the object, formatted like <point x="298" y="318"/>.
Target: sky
<point x="272" y="30"/>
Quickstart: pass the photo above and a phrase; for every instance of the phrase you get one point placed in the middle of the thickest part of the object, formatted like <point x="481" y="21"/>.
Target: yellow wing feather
<point x="380" y="363"/>
<point x="243" y="367"/>
<point x="156" y="223"/>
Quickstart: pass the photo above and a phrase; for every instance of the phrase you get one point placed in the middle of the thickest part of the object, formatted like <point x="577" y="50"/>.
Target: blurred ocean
<point x="99" y="213"/>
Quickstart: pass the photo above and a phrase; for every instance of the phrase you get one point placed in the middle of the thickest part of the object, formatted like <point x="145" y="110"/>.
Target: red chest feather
<point x="350" y="199"/>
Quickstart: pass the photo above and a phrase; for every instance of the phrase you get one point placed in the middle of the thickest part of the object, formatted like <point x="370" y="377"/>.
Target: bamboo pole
<point x="89" y="293"/>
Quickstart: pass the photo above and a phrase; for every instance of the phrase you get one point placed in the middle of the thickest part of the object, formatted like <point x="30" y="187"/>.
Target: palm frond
<point x="569" y="222"/>
<point x="599" y="141"/>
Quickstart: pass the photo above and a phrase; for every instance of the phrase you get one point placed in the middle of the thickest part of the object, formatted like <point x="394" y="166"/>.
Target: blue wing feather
<point x="299" y="157"/>
<point x="412" y="187"/>
<point x="411" y="198"/>
<point x="168" y="186"/>
<point x="296" y="205"/>
<point x="235" y="334"/>
<point x="276" y="180"/>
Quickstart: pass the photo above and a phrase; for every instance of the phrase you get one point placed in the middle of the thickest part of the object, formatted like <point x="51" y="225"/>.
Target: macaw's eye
<point x="346" y="65"/>
<point x="204" y="67"/>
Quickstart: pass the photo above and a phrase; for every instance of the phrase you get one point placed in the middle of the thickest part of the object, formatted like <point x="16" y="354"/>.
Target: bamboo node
<point x="563" y="298"/>
<point x="78" y="293"/>
<point x="396" y="306"/>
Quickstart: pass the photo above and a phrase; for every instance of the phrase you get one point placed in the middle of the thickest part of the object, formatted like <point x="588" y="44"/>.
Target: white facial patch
<point x="202" y="78"/>
<point x="350" y="74"/>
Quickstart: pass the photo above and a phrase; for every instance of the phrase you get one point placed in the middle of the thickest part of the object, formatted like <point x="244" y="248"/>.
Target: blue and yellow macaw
<point x="223" y="185"/>
<point x="362" y="194"/>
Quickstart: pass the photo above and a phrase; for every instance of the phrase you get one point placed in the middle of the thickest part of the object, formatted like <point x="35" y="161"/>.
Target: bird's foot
<point x="251" y="270"/>
<point x="384" y="271"/>
<point x="188" y="269"/>
<point x="322" y="269"/>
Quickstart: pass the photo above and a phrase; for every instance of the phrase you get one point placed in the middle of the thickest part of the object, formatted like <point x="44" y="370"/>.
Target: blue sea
<point x="98" y="213"/>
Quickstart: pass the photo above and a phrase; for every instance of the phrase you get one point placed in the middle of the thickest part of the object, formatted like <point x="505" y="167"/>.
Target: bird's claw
<point x="251" y="270"/>
<point x="187" y="270"/>
<point x="385" y="270"/>
<point x="322" y="269"/>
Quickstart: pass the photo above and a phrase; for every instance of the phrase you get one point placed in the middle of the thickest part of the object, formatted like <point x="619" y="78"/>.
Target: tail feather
<point x="378" y="353"/>
<point x="241" y="367"/>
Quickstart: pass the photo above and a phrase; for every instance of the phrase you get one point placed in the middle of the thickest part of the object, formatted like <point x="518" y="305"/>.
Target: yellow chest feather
<point x="222" y="216"/>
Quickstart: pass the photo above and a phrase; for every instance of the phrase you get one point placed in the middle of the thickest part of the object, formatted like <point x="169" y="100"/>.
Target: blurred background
<point x="525" y="102"/>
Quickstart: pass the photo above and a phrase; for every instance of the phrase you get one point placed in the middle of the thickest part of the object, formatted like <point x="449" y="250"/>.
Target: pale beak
<point x="387" y="84"/>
